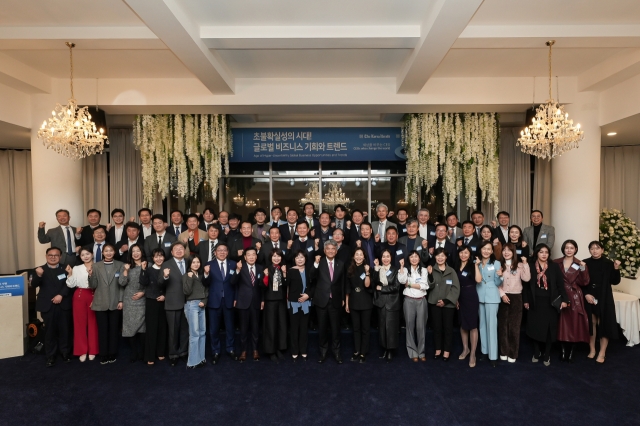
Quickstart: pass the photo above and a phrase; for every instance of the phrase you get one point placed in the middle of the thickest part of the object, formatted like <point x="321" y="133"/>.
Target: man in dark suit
<point x="426" y="230"/>
<point x="454" y="232"/>
<point x="249" y="302"/>
<point x="344" y="251"/>
<point x="207" y="218"/>
<point x="116" y="232"/>
<point x="442" y="241"/>
<point x="340" y="217"/>
<point x="159" y="239"/>
<point x="173" y="269"/>
<point x="379" y="227"/>
<point x="309" y="212"/>
<point x="402" y="215"/>
<point x="324" y="232"/>
<point x="221" y="281"/>
<point x="477" y="218"/>
<point x="470" y="238"/>
<point x="132" y="231"/>
<point x="398" y="250"/>
<point x="413" y="241"/>
<point x="54" y="304"/>
<point x="353" y="228"/>
<point x="309" y="246"/>
<point x="61" y="237"/>
<point x="501" y="230"/>
<point x="366" y="242"/>
<point x="288" y="230"/>
<point x="260" y="229"/>
<point x="223" y="221"/>
<point x="243" y="242"/>
<point x="84" y="235"/>
<point x="328" y="298"/>
<point x="177" y="225"/>
<point x="272" y="243"/>
<point x="97" y="242"/>
<point x="206" y="250"/>
<point x="146" y="226"/>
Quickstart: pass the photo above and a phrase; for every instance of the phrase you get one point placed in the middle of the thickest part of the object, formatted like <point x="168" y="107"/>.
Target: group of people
<point x="164" y="284"/>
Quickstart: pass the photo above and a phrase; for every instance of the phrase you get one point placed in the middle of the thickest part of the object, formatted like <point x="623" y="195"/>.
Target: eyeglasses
<point x="53" y="255"/>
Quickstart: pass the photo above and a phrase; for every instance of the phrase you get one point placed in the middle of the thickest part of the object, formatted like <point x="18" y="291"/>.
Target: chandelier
<point x="70" y="131"/>
<point x="334" y="196"/>
<point x="551" y="133"/>
<point x="238" y="200"/>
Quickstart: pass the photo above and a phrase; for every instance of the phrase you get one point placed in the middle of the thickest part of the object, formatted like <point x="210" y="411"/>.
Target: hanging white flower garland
<point x="180" y="152"/>
<point x="464" y="150"/>
<point x="621" y="239"/>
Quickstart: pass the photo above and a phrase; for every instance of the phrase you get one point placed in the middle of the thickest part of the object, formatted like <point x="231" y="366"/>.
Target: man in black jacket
<point x="54" y="303"/>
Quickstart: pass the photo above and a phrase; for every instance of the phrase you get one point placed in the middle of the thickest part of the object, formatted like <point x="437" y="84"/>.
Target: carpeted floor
<point x="376" y="393"/>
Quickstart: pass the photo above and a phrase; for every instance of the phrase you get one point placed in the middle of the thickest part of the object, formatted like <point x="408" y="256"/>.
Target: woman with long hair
<point x="387" y="299"/>
<point x="415" y="279"/>
<point x="133" y="302"/>
<point x="486" y="234"/>
<point x="489" y="297"/>
<point x="443" y="299"/>
<point x="153" y="283"/>
<point x="468" y="303"/>
<point x="274" y="332"/>
<point x="359" y="303"/>
<point x="194" y="310"/>
<point x="516" y="238"/>
<point x="85" y="327"/>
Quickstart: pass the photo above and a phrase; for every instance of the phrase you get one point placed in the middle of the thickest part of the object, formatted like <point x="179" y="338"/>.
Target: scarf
<point x="541" y="276"/>
<point x="277" y="277"/>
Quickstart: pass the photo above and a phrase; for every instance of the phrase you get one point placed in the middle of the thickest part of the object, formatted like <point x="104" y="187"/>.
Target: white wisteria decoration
<point x="462" y="148"/>
<point x="621" y="239"/>
<point x="180" y="152"/>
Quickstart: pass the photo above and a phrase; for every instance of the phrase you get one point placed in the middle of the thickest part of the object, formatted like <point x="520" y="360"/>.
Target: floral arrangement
<point x="621" y="240"/>
<point x="180" y="152"/>
<point x="463" y="148"/>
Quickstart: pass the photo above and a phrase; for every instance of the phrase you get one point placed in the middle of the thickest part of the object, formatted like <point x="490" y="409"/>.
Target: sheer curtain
<point x="125" y="173"/>
<point x="16" y="211"/>
<point x="95" y="185"/>
<point x="515" y="178"/>
<point x="620" y="179"/>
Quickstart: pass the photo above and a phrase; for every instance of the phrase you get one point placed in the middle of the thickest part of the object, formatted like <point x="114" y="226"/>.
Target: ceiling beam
<point x="609" y="73"/>
<point x="313" y="37"/>
<point x="439" y="31"/>
<point x="170" y="23"/>
<point x="21" y="77"/>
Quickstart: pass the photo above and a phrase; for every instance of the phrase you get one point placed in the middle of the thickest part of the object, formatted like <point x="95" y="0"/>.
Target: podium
<point x="14" y="315"/>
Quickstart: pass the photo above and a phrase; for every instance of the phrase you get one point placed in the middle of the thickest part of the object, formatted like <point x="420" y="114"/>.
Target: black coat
<point x="52" y="283"/>
<point x="294" y="281"/>
<point x="555" y="283"/>
<point x="152" y="281"/>
<point x="268" y="293"/>
<point x="605" y="309"/>
<point x="360" y="297"/>
<point x="249" y="295"/>
<point x="389" y="297"/>
<point x="324" y="286"/>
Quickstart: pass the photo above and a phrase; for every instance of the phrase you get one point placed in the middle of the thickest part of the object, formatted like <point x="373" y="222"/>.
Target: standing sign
<point x="317" y="144"/>
<point x="11" y="286"/>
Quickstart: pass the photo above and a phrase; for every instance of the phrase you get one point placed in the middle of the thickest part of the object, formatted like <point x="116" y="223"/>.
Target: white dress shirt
<point x="414" y="278"/>
<point x="423" y="230"/>
<point x="118" y="231"/>
<point x="146" y="231"/>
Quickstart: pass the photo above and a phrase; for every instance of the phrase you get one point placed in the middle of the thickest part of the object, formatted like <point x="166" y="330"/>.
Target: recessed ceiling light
<point x="612" y="134"/>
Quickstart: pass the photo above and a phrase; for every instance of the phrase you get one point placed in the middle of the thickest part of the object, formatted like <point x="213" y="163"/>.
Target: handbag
<point x="557" y="303"/>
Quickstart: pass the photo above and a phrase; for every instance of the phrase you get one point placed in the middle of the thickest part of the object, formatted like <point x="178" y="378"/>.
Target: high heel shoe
<point x="437" y="356"/>
<point x="464" y="354"/>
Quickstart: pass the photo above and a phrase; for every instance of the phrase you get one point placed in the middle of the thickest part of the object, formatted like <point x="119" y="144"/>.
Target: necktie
<point x="177" y="231"/>
<point x="99" y="253"/>
<point x="181" y="266"/>
<point x="339" y="224"/>
<point x="310" y="221"/>
<point x="291" y="231"/>
<point x="453" y="234"/>
<point x="331" y="269"/>
<point x="466" y="241"/>
<point x="381" y="232"/>
<point x="160" y="241"/>
<point x="277" y="246"/>
<point x="253" y="276"/>
<point x="358" y="229"/>
<point x="222" y="270"/>
<point x="69" y="248"/>
<point x="212" y="250"/>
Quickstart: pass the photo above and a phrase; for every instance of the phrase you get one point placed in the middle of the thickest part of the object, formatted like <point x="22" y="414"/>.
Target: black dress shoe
<point x="112" y="359"/>
<point x="483" y="357"/>
<point x="363" y="359"/>
<point x="445" y="358"/>
<point x="389" y="356"/>
<point x="104" y="360"/>
<point x="494" y="363"/>
<point x="438" y="356"/>
<point x="173" y="362"/>
<point x="322" y="359"/>
<point x="66" y="358"/>
<point x="384" y="354"/>
<point x="203" y="363"/>
<point x="233" y="355"/>
<point x="192" y="367"/>
<point x="355" y="357"/>
<point x="50" y="362"/>
<point x="338" y="359"/>
<point x="274" y="358"/>
<point x="215" y="359"/>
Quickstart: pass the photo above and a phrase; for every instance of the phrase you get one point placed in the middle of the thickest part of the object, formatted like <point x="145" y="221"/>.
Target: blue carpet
<point x="265" y="393"/>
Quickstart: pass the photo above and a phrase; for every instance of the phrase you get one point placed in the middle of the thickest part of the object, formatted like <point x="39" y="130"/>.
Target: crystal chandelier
<point x="551" y="133"/>
<point x="334" y="196"/>
<point x="70" y="131"/>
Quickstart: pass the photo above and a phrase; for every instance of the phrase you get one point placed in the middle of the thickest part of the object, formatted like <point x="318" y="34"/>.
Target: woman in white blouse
<point x="415" y="305"/>
<point x="85" y="328"/>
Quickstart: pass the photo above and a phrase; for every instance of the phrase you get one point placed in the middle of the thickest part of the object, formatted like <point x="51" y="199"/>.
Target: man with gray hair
<point x="328" y="298"/>
<point x="426" y="230"/>
<point x="379" y="227"/>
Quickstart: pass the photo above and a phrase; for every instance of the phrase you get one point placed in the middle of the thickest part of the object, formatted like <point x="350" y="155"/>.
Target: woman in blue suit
<point x="489" y="296"/>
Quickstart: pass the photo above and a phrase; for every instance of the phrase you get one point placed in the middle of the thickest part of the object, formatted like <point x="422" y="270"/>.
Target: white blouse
<point x="79" y="277"/>
<point x="414" y="278"/>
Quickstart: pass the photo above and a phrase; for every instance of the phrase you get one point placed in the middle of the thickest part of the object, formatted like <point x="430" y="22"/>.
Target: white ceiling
<point x="219" y="41"/>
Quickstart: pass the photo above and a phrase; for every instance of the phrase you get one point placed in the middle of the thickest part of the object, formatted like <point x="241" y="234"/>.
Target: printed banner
<point x="11" y="286"/>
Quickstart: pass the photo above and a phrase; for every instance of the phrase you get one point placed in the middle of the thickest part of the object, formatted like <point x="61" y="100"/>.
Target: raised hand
<point x="430" y="269"/>
<point x="42" y="224"/>
<point x="266" y="272"/>
<point x="431" y="250"/>
<point x="258" y="246"/>
<point x="495" y="241"/>
<point x="317" y="243"/>
<point x="131" y="219"/>
<point x="190" y="234"/>
<point x="318" y="259"/>
<point x="124" y="248"/>
<point x="239" y="266"/>
<point x="616" y="264"/>
<point x="582" y="264"/>
<point x="477" y="260"/>
<point x="459" y="242"/>
<point x="358" y="243"/>
<point x="127" y="266"/>
<point x="79" y="230"/>
<point x="524" y="260"/>
<point x="401" y="263"/>
<point x="348" y="224"/>
<point x="289" y="244"/>
<point x="166" y="272"/>
<point x="284" y="269"/>
<point x="524" y="243"/>
<point x="376" y="262"/>
<point x="494" y="224"/>
<point x="312" y="233"/>
<point x="377" y="238"/>
<point x="190" y="274"/>
<point x="240" y="253"/>
<point x="264" y="234"/>
<point x="39" y="271"/>
<point x="109" y="226"/>
<point x="144" y="265"/>
<point x="226" y="230"/>
<point x="333" y="224"/>
<point x="68" y="270"/>
<point x="425" y="243"/>
<point x="499" y="272"/>
<point x="366" y="268"/>
<point x="206" y="269"/>
<point x="450" y="232"/>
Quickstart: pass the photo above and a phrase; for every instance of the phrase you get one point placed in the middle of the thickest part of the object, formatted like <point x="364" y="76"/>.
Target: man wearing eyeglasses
<point x="54" y="304"/>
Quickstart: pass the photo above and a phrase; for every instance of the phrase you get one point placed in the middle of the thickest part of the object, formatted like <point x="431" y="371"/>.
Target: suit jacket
<point x="285" y="232"/>
<point x="398" y="251"/>
<point x="497" y="233"/>
<point x="351" y="235"/>
<point x="151" y="243"/>
<point x="221" y="287"/>
<point x="324" y="287"/>
<point x="402" y="229"/>
<point x="268" y="293"/>
<point x="455" y="236"/>
<point x="249" y="296"/>
<point x="265" y="228"/>
<point x="264" y="257"/>
<point x="376" y="224"/>
<point x="111" y="236"/>
<point x="237" y="245"/>
<point x="294" y="281"/>
<point x="488" y="289"/>
<point x="369" y="247"/>
<point x="308" y="247"/>
<point x="125" y="257"/>
<point x="555" y="283"/>
<point x="108" y="293"/>
<point x="172" y="229"/>
<point x="56" y="236"/>
<point x="52" y="283"/>
<point x="547" y="236"/>
<point x="474" y="245"/>
<point x="174" y="297"/>
<point x="86" y="237"/>
<point x="323" y="236"/>
<point x="424" y="253"/>
<point x="344" y="254"/>
<point x="452" y="253"/>
<point x="203" y="250"/>
<point x="389" y="297"/>
<point x="200" y="236"/>
<point x="315" y="221"/>
<point x="431" y="234"/>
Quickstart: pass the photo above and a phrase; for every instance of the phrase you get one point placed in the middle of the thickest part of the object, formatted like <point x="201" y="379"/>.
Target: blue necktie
<point x="181" y="266"/>
<point x="99" y="253"/>
<point x="69" y="248"/>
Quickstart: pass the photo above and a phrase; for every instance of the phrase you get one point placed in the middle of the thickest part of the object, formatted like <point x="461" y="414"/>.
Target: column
<point x="57" y="180"/>
<point x="575" y="188"/>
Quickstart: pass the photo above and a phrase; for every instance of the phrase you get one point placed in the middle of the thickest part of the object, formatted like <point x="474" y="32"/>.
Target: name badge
<point x="419" y="248"/>
<point x="473" y="248"/>
<point x="331" y="237"/>
<point x="543" y="236"/>
<point x="575" y="266"/>
<point x="117" y="274"/>
<point x="464" y="273"/>
<point x="363" y="276"/>
<point x="399" y="252"/>
<point x="491" y="268"/>
<point x="388" y="273"/>
<point x="519" y="251"/>
<point x="432" y="233"/>
<point x="258" y="276"/>
<point x="449" y="282"/>
<point x="201" y="239"/>
<point x="404" y="230"/>
<point x="309" y="249"/>
<point x="167" y="244"/>
<point x="418" y="279"/>
<point x="62" y="277"/>
<point x="284" y="251"/>
<point x="232" y="271"/>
